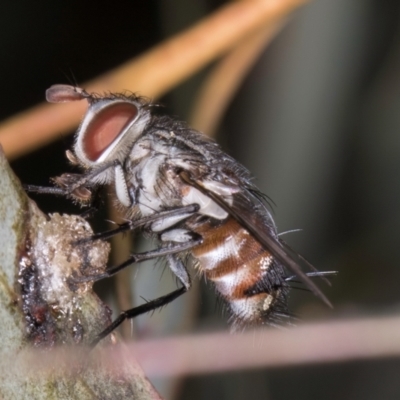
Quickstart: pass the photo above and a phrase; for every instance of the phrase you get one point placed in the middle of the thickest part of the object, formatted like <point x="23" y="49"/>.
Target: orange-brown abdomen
<point x="243" y="272"/>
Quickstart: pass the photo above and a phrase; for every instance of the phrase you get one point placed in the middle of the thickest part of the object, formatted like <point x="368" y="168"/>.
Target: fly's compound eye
<point x="105" y="127"/>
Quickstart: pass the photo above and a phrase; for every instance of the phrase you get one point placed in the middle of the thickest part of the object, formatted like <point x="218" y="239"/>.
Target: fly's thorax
<point x="154" y="166"/>
<point x="243" y="272"/>
<point x="149" y="177"/>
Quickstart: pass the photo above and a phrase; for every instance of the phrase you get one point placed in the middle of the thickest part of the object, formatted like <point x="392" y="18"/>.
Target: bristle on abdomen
<point x="243" y="272"/>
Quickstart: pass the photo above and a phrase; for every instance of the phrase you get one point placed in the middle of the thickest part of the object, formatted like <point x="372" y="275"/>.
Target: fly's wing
<point x="244" y="209"/>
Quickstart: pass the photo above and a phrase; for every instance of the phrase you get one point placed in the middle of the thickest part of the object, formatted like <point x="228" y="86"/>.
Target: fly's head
<point x="108" y="130"/>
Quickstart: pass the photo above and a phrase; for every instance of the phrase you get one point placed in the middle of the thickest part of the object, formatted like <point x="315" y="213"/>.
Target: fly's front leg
<point x="179" y="269"/>
<point x="46" y="190"/>
<point x="76" y="186"/>
<point x="66" y="185"/>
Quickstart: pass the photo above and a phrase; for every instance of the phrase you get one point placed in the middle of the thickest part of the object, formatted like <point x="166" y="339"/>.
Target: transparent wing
<point x="252" y="214"/>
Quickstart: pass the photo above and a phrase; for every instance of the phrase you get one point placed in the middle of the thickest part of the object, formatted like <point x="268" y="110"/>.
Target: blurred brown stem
<point x="314" y="343"/>
<point x="225" y="79"/>
<point x="152" y="73"/>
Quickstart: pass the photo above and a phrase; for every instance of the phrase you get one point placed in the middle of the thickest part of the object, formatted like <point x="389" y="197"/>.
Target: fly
<point x="180" y="187"/>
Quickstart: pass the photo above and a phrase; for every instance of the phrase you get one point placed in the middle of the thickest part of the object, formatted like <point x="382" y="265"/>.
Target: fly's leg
<point x="195" y="240"/>
<point x="179" y="269"/>
<point x="184" y="240"/>
<point x="76" y="186"/>
<point x="46" y="190"/>
<point x="142" y="309"/>
<point x="164" y="218"/>
<point x="66" y="186"/>
<point x="88" y="197"/>
<point x="176" y="241"/>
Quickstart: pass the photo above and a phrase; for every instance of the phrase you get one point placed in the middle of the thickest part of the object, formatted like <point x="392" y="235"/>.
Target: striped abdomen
<point x="244" y="273"/>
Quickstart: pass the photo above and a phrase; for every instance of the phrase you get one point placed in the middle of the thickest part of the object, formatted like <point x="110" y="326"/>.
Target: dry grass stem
<point x="226" y="78"/>
<point x="330" y="342"/>
<point x="152" y="73"/>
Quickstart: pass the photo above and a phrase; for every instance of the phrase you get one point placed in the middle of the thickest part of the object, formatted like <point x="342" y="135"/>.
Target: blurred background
<point x="316" y="120"/>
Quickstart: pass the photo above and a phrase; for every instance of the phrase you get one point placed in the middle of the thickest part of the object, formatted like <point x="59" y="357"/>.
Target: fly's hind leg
<point x="179" y="269"/>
